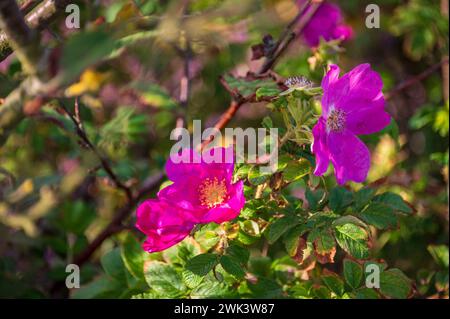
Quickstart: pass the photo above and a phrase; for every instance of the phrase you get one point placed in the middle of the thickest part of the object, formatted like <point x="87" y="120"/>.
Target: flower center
<point x="212" y="192"/>
<point x="336" y="120"/>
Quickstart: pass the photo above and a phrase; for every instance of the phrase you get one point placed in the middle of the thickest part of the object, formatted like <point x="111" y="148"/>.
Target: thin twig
<point x="415" y="79"/>
<point x="103" y="160"/>
<point x="289" y="34"/>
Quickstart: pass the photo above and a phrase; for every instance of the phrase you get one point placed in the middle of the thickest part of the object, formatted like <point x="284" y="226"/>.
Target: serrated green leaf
<point x="394" y="284"/>
<point x="321" y="292"/>
<point x="379" y="215"/>
<point x="339" y="199"/>
<point x="239" y="253"/>
<point x="164" y="279"/>
<point x="113" y="265"/>
<point x="267" y="91"/>
<point x="292" y="237"/>
<point x="334" y="283"/>
<point x="353" y="240"/>
<point x="439" y="254"/>
<point x="265" y="288"/>
<point x="102" y="287"/>
<point x="190" y="279"/>
<point x="394" y="201"/>
<point x="362" y="198"/>
<point x="246" y="88"/>
<point x="232" y="266"/>
<point x="202" y="264"/>
<point x="211" y="289"/>
<point x="133" y="256"/>
<point x="256" y="176"/>
<point x="296" y="170"/>
<point x="353" y="273"/>
<point x="323" y="241"/>
<point x="279" y="227"/>
<point x="366" y="293"/>
<point x="316" y="199"/>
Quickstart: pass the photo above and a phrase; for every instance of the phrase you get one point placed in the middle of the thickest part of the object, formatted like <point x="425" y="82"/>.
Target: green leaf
<point x="334" y="283"/>
<point x="265" y="288"/>
<point x="187" y="250"/>
<point x="190" y="279"/>
<point x="362" y="198"/>
<point x="246" y="88"/>
<point x="394" y="284"/>
<point x="321" y="292"/>
<point x="323" y="241"/>
<point x="164" y="279"/>
<point x="239" y="253"/>
<point x="256" y="176"/>
<point x="296" y="170"/>
<point x="339" y="199"/>
<point x="113" y="265"/>
<point x="279" y="227"/>
<point x="316" y="199"/>
<point x="232" y="266"/>
<point x="353" y="240"/>
<point x="366" y="293"/>
<point x="102" y="287"/>
<point x="394" y="201"/>
<point x="207" y="236"/>
<point x="75" y="58"/>
<point x="353" y="273"/>
<point x="379" y="215"/>
<point x="267" y="91"/>
<point x="202" y="264"/>
<point x="291" y="239"/>
<point x="77" y="216"/>
<point x="133" y="256"/>
<point x="211" y="289"/>
<point x="439" y="254"/>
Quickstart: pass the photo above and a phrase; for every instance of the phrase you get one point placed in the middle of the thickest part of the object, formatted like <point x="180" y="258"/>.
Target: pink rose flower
<point x="202" y="192"/>
<point x="326" y="23"/>
<point x="351" y="105"/>
<point x="204" y="189"/>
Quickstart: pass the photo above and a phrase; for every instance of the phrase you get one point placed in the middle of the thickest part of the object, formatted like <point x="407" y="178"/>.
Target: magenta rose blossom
<point x="204" y="187"/>
<point x="164" y="224"/>
<point x="326" y="23"/>
<point x="202" y="192"/>
<point x="351" y="105"/>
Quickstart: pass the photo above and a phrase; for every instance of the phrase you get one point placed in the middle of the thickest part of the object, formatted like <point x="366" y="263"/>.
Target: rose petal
<point x="165" y="225"/>
<point x="178" y="166"/>
<point x="319" y="147"/>
<point x="368" y="118"/>
<point x="350" y="157"/>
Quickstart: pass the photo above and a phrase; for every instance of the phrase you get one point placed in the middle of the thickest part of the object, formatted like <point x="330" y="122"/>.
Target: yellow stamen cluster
<point x="212" y="192"/>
